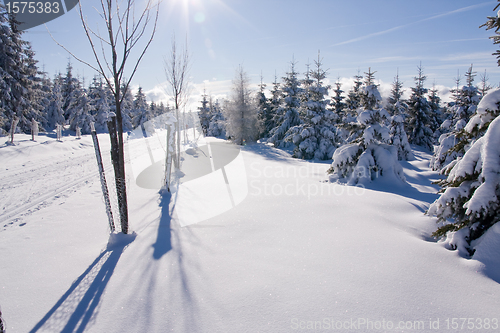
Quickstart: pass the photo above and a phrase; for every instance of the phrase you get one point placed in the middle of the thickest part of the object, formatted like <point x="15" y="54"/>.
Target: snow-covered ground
<point x="296" y="253"/>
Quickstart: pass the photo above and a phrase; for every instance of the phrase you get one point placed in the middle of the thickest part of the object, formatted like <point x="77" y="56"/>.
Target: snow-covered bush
<point x="471" y="191"/>
<point x="370" y="153"/>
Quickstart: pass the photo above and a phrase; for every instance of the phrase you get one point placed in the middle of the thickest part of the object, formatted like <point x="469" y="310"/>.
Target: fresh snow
<point x="295" y="251"/>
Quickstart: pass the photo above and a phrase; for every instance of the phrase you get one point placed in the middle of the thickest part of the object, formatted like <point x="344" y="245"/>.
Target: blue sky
<point x="264" y="35"/>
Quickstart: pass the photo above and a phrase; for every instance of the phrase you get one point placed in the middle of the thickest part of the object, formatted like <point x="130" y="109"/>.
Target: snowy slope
<point x="297" y="251"/>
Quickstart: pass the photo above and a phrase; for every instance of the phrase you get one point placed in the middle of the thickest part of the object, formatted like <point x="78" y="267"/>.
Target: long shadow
<point x="163" y="242"/>
<point x="269" y="153"/>
<point x="404" y="190"/>
<point x="77" y="307"/>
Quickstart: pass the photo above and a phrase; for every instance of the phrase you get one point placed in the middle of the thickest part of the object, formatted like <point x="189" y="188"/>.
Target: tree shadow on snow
<point x="269" y="152"/>
<point x="78" y="307"/>
<point x="163" y="242"/>
<point x="404" y="190"/>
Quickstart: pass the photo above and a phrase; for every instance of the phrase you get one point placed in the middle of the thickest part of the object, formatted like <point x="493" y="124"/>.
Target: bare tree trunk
<point x="176" y="71"/>
<point x="123" y="31"/>
<point x="121" y="185"/>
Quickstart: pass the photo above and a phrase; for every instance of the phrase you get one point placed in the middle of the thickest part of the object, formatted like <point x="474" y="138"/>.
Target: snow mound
<point x="120" y="240"/>
<point x="487" y="249"/>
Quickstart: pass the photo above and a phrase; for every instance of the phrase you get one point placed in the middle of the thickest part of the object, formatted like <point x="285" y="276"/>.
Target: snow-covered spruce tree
<point x="241" y="111"/>
<point x="204" y="113"/>
<point x="287" y="115"/>
<point x="141" y="111"/>
<point x="80" y="111"/>
<point x="484" y="86"/>
<point x="99" y="99"/>
<point x="470" y="197"/>
<point x="19" y="97"/>
<point x="418" y="123"/>
<point x="305" y="94"/>
<point x="460" y="111"/>
<point x="264" y="109"/>
<point x="274" y="106"/>
<point x="353" y="99"/>
<point x="44" y="96"/>
<point x="217" y="124"/>
<point x="339" y="108"/>
<point x="337" y="101"/>
<point x="126" y="108"/>
<point x="395" y="102"/>
<point x="54" y="112"/>
<point x="465" y="102"/>
<point x="397" y="109"/>
<point x="69" y="84"/>
<point x="316" y="137"/>
<point x="369" y="153"/>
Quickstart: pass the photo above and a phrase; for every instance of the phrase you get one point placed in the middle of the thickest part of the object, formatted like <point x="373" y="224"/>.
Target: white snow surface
<point x="296" y="251"/>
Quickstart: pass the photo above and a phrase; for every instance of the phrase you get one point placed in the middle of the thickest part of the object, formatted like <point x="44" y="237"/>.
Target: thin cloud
<point x="394" y="58"/>
<point x="383" y="32"/>
<point x="468" y="56"/>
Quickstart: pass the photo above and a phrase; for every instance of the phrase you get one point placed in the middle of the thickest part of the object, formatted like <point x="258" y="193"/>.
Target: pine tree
<point x="217" y="125"/>
<point x="419" y="122"/>
<point x="353" y="100"/>
<point x="80" y="111"/>
<point x="241" y="111"/>
<point x="337" y="101"/>
<point x="274" y="106"/>
<point x="368" y="153"/>
<point x="99" y="98"/>
<point x="127" y="106"/>
<point x="316" y="137"/>
<point x="69" y="85"/>
<point x="395" y="102"/>
<point x="204" y="113"/>
<point x="459" y="113"/>
<point x="485" y="86"/>
<point x="470" y="195"/>
<point x="287" y="115"/>
<point x="141" y="111"/>
<point x="305" y="95"/>
<point x="264" y="109"/>
<point x="369" y="95"/>
<point x="20" y="91"/>
<point x="397" y="108"/>
<point x="54" y="112"/>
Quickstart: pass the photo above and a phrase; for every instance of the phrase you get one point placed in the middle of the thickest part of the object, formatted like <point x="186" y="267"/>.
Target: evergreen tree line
<point x="27" y="94"/>
<point x="314" y="119"/>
